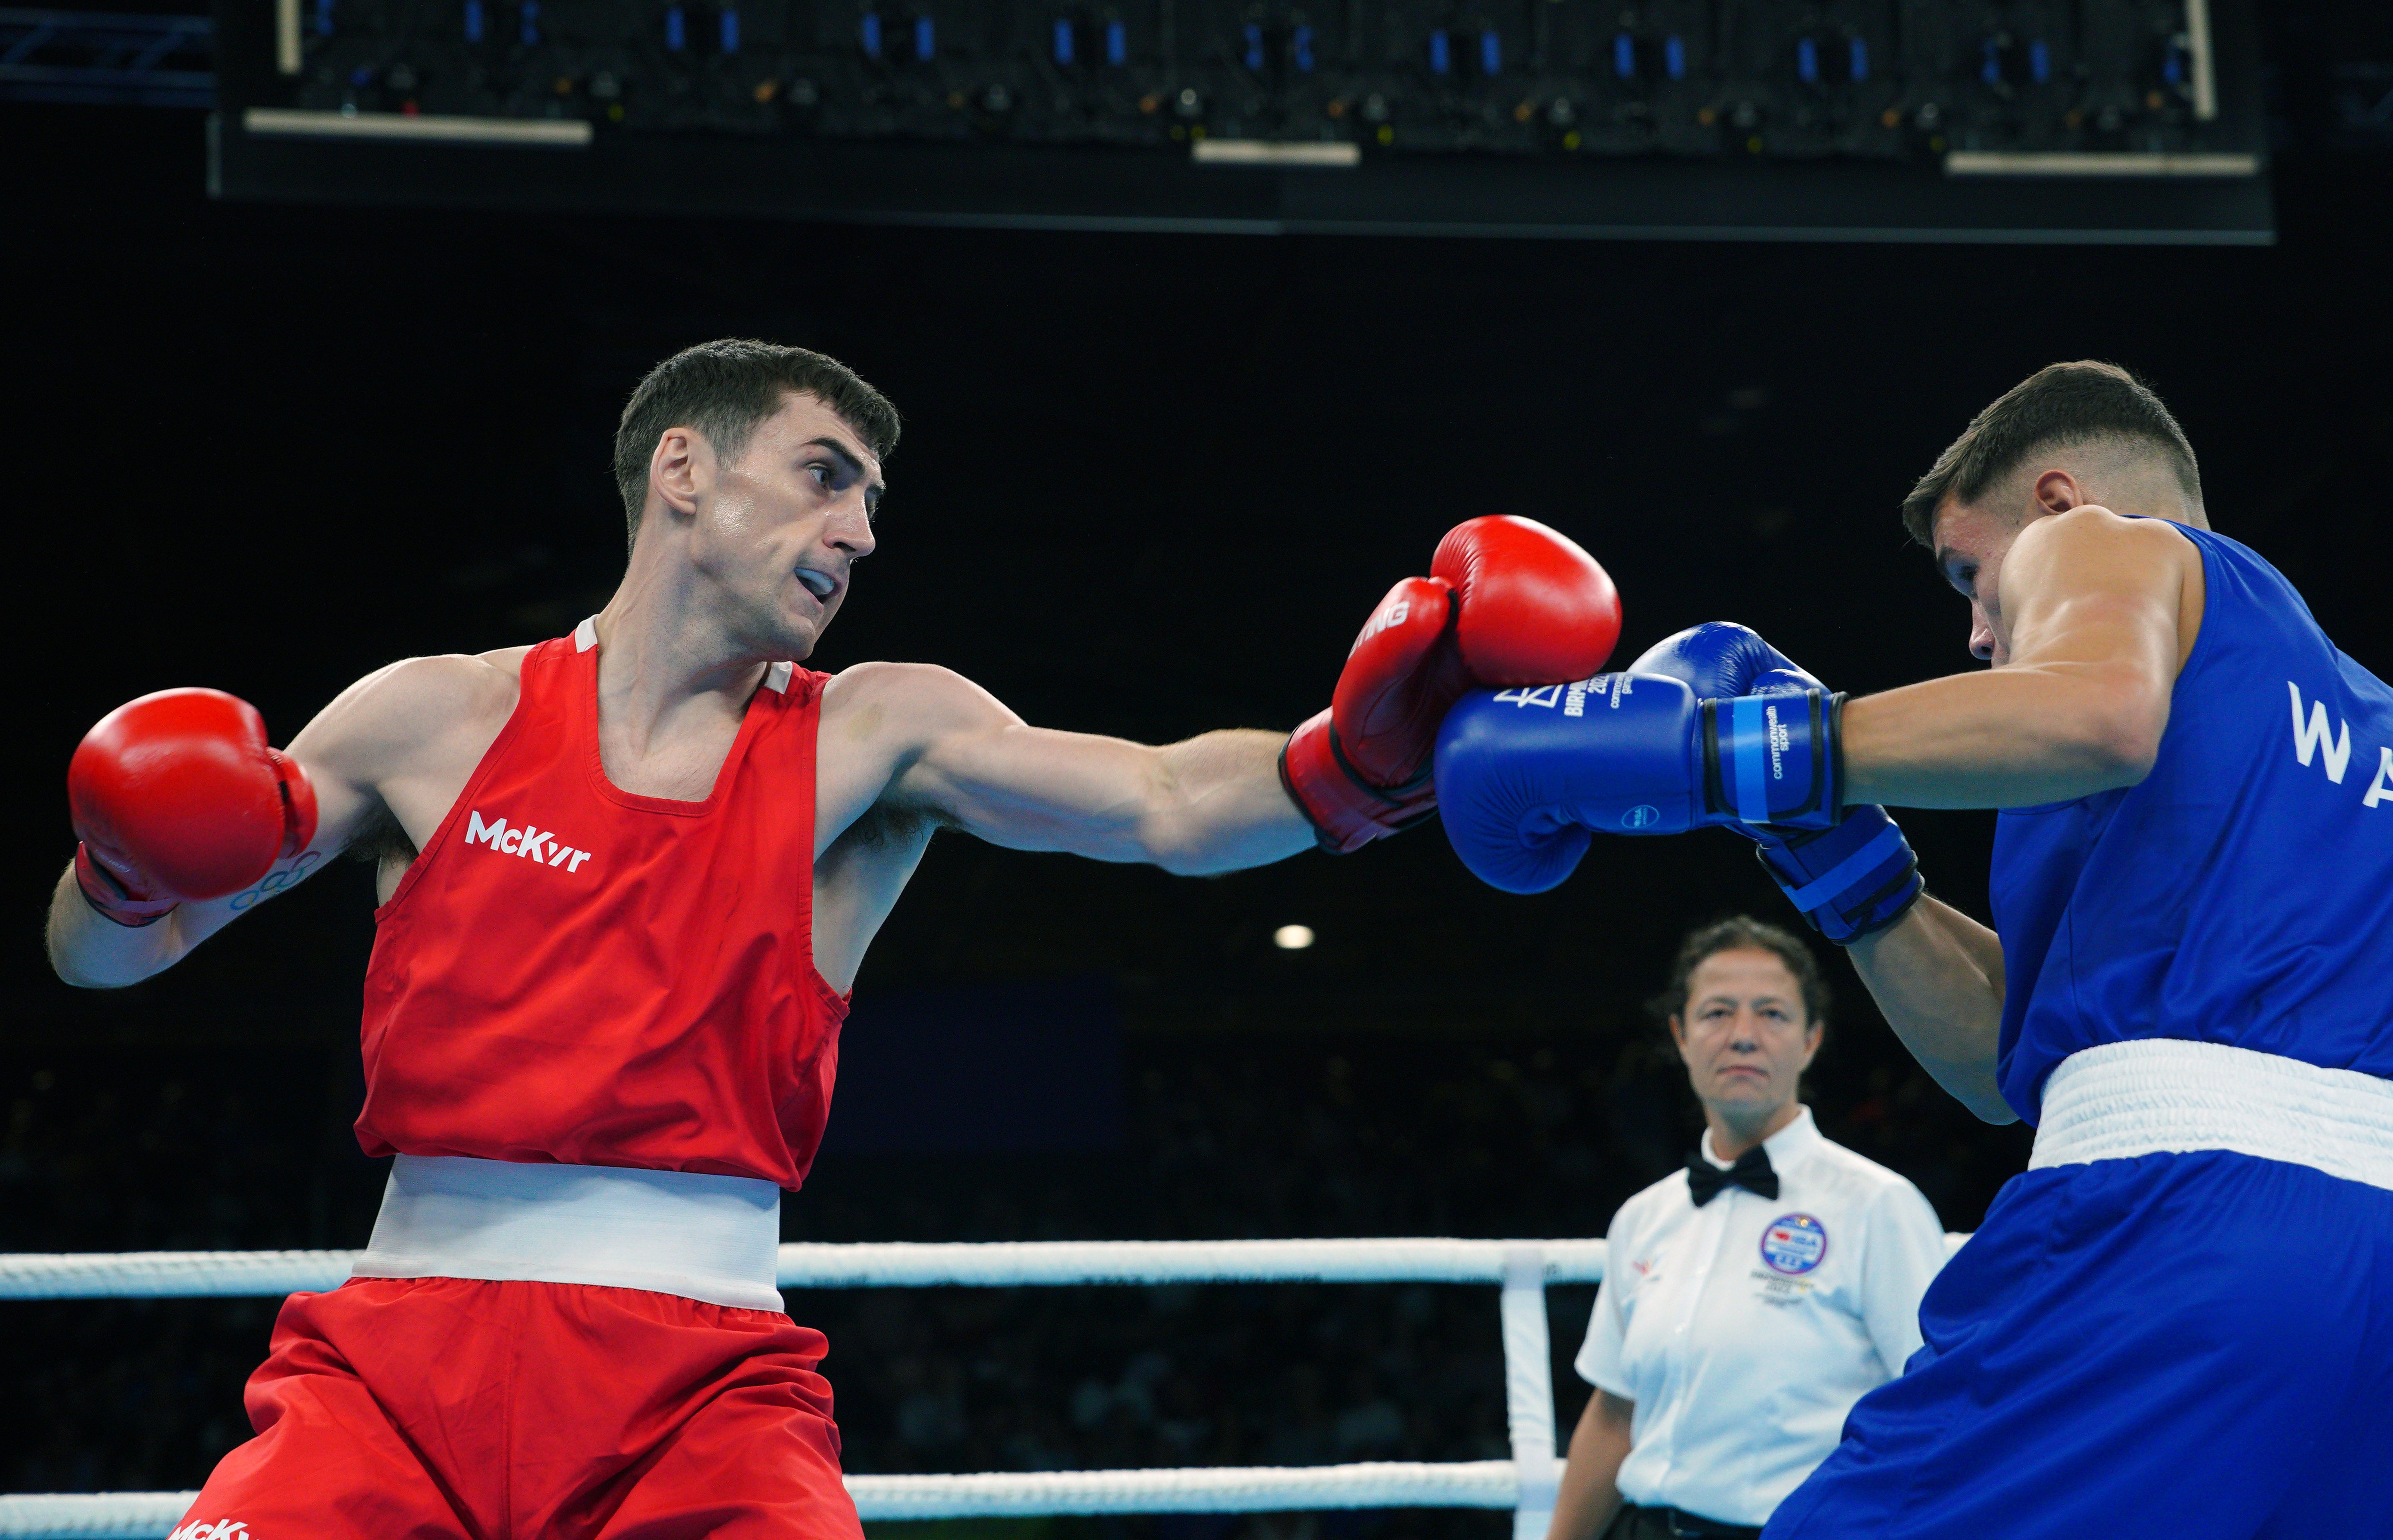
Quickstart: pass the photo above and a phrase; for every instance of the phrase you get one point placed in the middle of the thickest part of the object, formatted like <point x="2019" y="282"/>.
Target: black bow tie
<point x="1751" y="1172"/>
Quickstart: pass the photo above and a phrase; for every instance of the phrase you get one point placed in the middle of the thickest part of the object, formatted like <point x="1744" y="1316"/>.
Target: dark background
<point x="1149" y="486"/>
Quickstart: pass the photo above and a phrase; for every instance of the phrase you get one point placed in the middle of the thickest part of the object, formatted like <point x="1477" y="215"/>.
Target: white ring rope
<point x="1244" y="1489"/>
<point x="1522" y="1268"/>
<point x="891" y="1264"/>
<point x="1236" y="1489"/>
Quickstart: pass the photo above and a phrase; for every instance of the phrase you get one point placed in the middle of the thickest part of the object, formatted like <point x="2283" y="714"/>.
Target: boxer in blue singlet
<point x="2178" y="1321"/>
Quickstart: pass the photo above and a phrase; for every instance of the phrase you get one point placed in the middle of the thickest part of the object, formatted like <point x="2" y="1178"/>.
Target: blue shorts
<point x="2179" y="1347"/>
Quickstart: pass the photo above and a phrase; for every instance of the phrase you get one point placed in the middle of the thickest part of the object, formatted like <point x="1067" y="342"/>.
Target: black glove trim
<point x="1715" y="793"/>
<point x="1917" y="894"/>
<point x="1835" y="789"/>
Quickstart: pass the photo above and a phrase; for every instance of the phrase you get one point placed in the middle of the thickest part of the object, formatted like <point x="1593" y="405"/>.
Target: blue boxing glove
<point x="1858" y="877"/>
<point x="1533" y="770"/>
<point x="1720" y="659"/>
<point x="1849" y="880"/>
<point x="1523" y="774"/>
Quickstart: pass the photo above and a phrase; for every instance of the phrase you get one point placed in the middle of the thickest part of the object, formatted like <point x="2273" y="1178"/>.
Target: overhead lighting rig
<point x="1866" y="96"/>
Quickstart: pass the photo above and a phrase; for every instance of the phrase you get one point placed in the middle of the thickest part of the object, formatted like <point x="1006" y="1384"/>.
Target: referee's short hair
<point x="1742" y="932"/>
<point x="2083" y="403"/>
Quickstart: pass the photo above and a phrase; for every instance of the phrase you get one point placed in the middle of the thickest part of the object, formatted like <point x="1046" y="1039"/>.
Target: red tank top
<point x="569" y="972"/>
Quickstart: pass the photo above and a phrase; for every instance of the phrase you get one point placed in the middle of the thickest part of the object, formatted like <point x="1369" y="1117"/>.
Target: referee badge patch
<point x="1794" y="1244"/>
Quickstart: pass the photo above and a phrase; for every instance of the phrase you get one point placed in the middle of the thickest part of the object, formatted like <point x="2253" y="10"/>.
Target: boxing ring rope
<point x="1523" y="1269"/>
<point x="1524" y="1483"/>
<point x="879" y="1264"/>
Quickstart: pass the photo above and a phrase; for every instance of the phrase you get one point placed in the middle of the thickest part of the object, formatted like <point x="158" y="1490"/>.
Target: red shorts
<point x="433" y="1408"/>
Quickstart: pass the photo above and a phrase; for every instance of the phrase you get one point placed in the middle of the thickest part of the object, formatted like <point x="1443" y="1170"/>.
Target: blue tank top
<point x="2243" y="891"/>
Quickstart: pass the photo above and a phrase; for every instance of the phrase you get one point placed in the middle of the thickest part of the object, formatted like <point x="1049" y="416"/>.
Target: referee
<point x="1750" y="1299"/>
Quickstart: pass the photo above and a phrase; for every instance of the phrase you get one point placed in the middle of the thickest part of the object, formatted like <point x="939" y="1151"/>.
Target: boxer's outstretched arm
<point x="1209" y="804"/>
<point x="1937" y="977"/>
<point x="2096" y="606"/>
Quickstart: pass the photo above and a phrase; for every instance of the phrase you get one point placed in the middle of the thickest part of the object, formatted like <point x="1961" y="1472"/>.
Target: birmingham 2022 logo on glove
<point x="1571" y="697"/>
<point x="1794" y="1244"/>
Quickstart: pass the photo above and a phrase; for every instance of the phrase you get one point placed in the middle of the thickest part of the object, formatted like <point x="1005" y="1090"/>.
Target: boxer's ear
<point x="681" y="471"/>
<point x="2057" y="491"/>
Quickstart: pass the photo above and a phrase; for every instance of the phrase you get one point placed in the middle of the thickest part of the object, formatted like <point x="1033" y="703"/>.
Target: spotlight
<point x="1292" y="938"/>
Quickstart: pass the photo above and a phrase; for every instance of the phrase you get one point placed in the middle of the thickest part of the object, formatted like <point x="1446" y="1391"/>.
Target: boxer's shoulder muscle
<point x="2091" y="552"/>
<point x="907" y="703"/>
<point x="878" y="720"/>
<point x="2094" y="541"/>
<point x="409" y="734"/>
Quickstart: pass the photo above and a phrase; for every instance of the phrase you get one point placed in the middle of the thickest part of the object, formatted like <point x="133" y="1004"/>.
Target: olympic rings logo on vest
<point x="540" y="847"/>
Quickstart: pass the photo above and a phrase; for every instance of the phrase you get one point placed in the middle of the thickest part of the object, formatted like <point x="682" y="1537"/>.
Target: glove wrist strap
<point x="108" y="898"/>
<point x="1346" y="810"/>
<point x="1774" y="761"/>
<point x="1850" y="882"/>
<point x="1833" y="756"/>
<point x="1918" y="892"/>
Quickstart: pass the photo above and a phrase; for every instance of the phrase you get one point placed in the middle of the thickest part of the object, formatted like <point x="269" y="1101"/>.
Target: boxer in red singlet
<point x="627" y="876"/>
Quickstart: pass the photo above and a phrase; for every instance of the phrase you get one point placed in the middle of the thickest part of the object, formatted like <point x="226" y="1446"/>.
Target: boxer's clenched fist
<point x="1849" y="880"/>
<point x="1531" y="774"/>
<point x="1507" y="602"/>
<point x="1720" y="659"/>
<point x="177" y="796"/>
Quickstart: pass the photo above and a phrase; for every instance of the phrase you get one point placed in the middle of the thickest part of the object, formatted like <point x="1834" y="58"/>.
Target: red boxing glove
<point x="177" y="796"/>
<point x="1507" y="602"/>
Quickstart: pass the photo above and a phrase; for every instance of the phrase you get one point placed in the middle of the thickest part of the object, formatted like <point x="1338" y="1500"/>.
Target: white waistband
<point x="2166" y="1095"/>
<point x="715" y="1238"/>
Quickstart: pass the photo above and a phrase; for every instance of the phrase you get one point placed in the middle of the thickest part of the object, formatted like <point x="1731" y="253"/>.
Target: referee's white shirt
<point x="1746" y="1329"/>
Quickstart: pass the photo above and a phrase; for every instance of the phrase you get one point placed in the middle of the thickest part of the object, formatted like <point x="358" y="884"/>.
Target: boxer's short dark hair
<point x="723" y="389"/>
<point x="1744" y="933"/>
<point x="2061" y="403"/>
